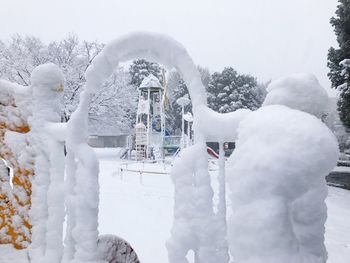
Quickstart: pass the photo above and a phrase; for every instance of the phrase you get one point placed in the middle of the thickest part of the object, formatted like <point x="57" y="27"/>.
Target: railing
<point x="172" y="141"/>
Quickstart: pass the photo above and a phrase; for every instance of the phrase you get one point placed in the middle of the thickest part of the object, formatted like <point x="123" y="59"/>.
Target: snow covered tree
<point x="114" y="105"/>
<point x="332" y="120"/>
<point x="229" y="91"/>
<point x="20" y="55"/>
<point x="177" y="89"/>
<point x="73" y="58"/>
<point x="141" y="68"/>
<point x="113" y="110"/>
<point x="339" y="60"/>
<point x="205" y="75"/>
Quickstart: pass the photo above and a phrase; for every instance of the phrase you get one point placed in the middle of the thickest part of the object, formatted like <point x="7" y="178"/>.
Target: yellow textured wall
<point x="13" y="206"/>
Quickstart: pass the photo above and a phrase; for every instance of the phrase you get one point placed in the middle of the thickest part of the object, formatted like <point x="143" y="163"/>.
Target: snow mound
<point x="298" y="91"/>
<point x="277" y="180"/>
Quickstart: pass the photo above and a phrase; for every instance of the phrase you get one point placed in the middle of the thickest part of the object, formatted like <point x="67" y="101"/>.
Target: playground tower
<point x="150" y="120"/>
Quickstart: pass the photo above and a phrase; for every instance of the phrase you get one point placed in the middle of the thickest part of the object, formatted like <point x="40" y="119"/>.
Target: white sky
<point x="267" y="38"/>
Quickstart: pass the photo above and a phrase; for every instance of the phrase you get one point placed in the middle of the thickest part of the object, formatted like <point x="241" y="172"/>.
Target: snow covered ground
<point x="142" y="213"/>
<point x="139" y="209"/>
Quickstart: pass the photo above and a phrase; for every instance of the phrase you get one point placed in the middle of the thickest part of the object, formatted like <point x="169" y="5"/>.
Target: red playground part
<point x="212" y="153"/>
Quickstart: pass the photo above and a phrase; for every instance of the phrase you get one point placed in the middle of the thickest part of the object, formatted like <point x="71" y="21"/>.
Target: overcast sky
<point x="267" y="38"/>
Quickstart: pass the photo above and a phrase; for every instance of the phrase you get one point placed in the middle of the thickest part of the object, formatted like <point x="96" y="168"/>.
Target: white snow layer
<point x="298" y="91"/>
<point x="277" y="179"/>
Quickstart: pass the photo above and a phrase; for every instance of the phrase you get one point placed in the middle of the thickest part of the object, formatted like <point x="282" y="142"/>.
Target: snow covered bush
<point x="6" y="208"/>
<point x="113" y="249"/>
<point x="277" y="177"/>
<point x="229" y="91"/>
<point x="16" y="150"/>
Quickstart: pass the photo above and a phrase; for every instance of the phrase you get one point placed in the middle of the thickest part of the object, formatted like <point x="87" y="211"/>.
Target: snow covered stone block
<point x="277" y="180"/>
<point x="113" y="249"/>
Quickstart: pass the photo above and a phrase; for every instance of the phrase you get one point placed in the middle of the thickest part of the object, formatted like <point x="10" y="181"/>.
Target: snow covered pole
<point x="162" y="123"/>
<point x="222" y="184"/>
<point x="222" y="246"/>
<point x="82" y="212"/>
<point x="47" y="211"/>
<point x="148" y="123"/>
<point x="188" y="134"/>
<point x="183" y="101"/>
<point x="182" y="127"/>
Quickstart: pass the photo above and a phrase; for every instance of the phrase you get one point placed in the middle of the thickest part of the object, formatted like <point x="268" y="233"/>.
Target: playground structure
<point x="196" y="226"/>
<point x="151" y="140"/>
<point x="150" y="120"/>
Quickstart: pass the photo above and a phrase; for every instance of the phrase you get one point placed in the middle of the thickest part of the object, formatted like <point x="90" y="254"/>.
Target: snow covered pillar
<point x="183" y="102"/>
<point x="47" y="211"/>
<point x="194" y="221"/>
<point x="83" y="189"/>
<point x="222" y="246"/>
<point x="149" y="125"/>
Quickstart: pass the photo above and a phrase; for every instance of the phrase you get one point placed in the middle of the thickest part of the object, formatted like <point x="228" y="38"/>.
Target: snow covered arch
<point x="82" y="164"/>
<point x="170" y="53"/>
<point x="154" y="47"/>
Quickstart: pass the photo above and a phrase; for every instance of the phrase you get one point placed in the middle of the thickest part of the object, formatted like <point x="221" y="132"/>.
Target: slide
<point x="212" y="153"/>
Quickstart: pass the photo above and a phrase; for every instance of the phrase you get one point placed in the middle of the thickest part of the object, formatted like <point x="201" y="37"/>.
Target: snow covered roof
<point x="150" y="82"/>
